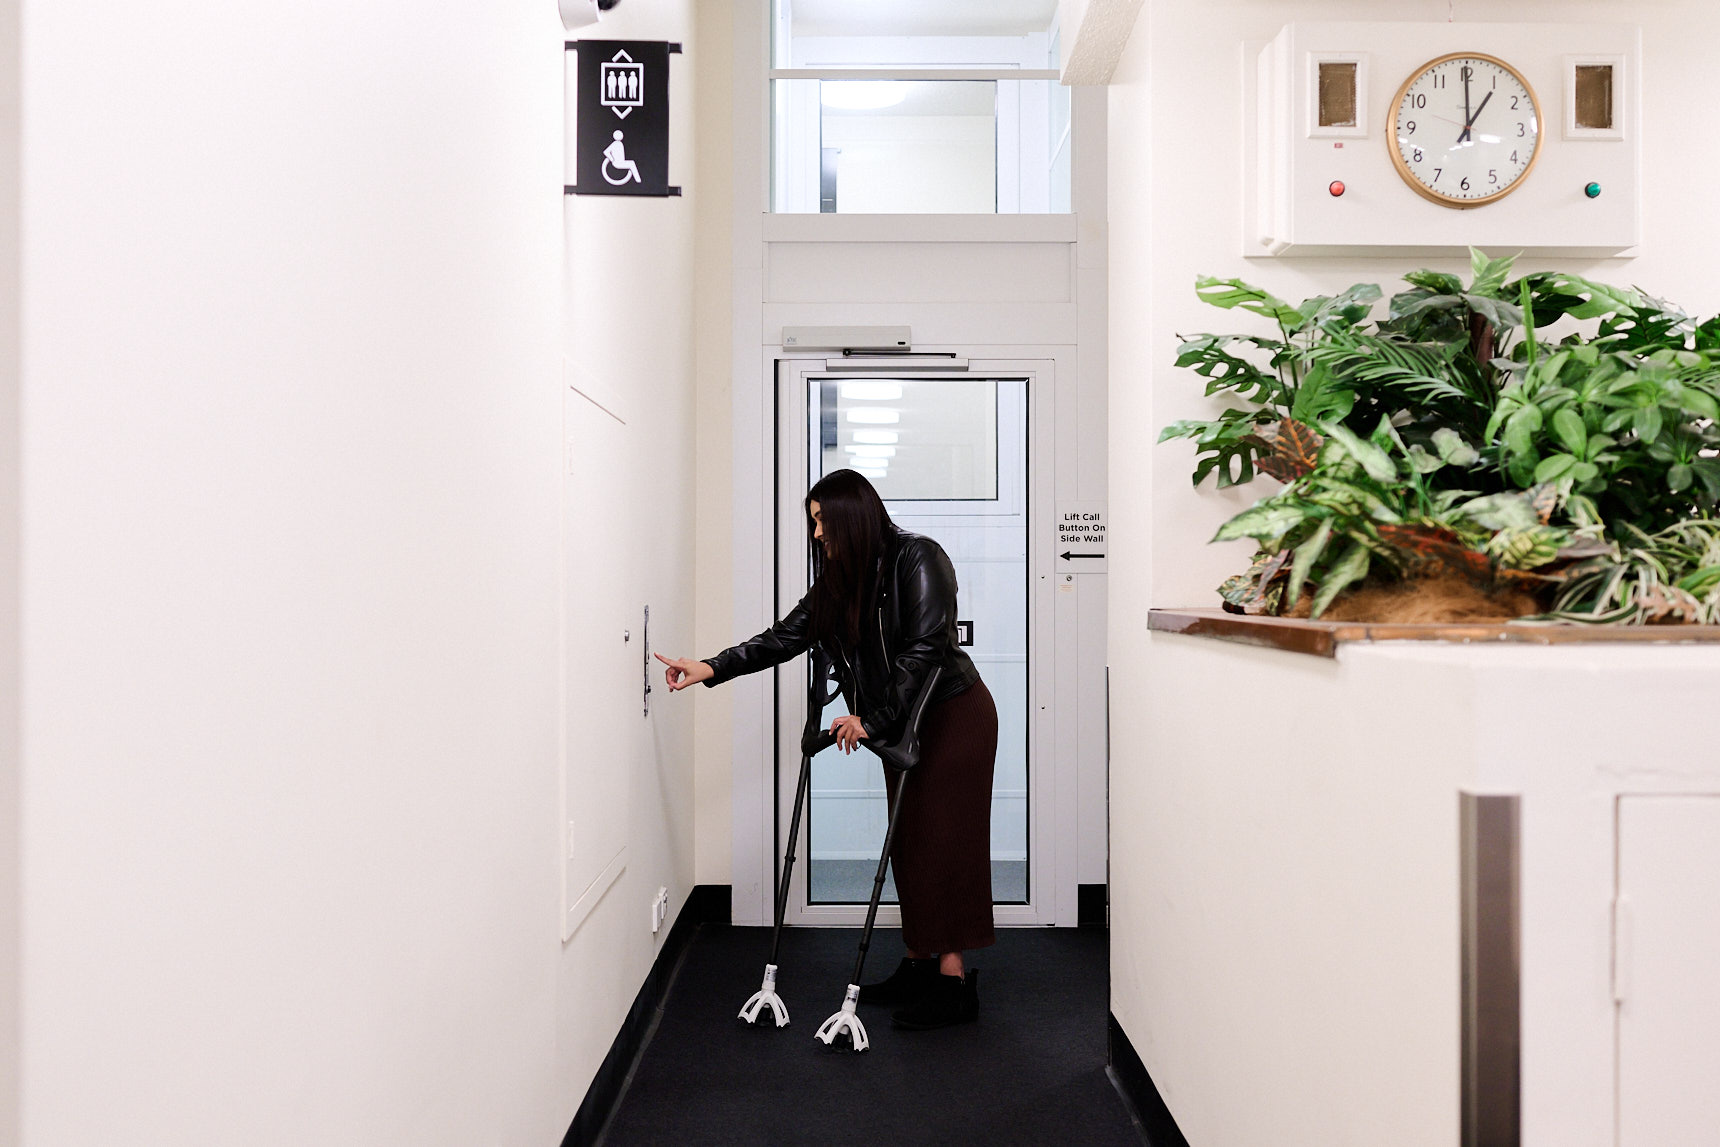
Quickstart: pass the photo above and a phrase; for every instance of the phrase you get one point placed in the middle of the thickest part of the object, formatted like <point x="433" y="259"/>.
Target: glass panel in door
<point x="949" y="458"/>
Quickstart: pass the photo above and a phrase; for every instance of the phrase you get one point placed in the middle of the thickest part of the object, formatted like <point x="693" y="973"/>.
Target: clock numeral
<point x="1417" y="101"/>
<point x="1514" y="100"/>
<point x="1439" y="78"/>
<point x="1465" y="184"/>
<point x="1467" y="72"/>
<point x="1436" y="173"/>
<point x="1417" y="156"/>
<point x="1411" y="126"/>
<point x="1492" y="175"/>
<point x="1514" y="158"/>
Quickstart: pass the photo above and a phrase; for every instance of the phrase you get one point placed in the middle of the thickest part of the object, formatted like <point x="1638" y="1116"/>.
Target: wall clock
<point x="1466" y="130"/>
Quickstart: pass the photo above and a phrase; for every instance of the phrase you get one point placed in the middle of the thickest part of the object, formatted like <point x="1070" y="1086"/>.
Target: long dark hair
<point x="856" y="527"/>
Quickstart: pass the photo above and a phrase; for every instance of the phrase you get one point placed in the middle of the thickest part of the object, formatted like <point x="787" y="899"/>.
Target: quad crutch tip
<point x="845" y="1021"/>
<point x="766" y="997"/>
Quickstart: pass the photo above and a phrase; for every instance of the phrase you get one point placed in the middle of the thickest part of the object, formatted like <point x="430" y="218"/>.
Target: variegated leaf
<point x="1264" y="520"/>
<point x="1352" y="567"/>
<point x="1420" y="548"/>
<point x="1545" y="499"/>
<point x="1294" y="448"/>
<point x="1527" y="549"/>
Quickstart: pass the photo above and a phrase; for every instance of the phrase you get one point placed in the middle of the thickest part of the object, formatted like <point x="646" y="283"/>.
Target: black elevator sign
<point x="623" y="117"/>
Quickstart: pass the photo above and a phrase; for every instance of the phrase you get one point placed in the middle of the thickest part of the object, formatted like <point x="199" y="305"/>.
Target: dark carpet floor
<point x="1031" y="1071"/>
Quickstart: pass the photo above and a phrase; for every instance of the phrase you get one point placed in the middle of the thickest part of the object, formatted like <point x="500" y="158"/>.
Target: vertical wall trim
<point x="754" y="501"/>
<point x="1491" y="832"/>
<point x="11" y="568"/>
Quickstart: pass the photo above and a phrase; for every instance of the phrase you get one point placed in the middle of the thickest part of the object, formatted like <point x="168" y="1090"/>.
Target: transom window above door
<point x="918" y="107"/>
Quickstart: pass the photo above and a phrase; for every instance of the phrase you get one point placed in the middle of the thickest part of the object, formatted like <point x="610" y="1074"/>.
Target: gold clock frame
<point x="1429" y="193"/>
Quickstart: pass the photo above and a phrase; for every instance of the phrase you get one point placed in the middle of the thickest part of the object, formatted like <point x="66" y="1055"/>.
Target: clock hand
<point x="1466" y="116"/>
<point x="1474" y="117"/>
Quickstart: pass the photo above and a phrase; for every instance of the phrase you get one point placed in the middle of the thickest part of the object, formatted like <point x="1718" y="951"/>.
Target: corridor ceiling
<point x="921" y="17"/>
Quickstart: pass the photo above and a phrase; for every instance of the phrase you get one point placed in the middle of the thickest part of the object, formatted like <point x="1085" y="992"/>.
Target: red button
<point x="1337" y="188"/>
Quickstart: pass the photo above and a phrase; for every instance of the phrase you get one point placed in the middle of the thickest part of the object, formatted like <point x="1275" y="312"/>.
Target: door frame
<point x="1051" y="777"/>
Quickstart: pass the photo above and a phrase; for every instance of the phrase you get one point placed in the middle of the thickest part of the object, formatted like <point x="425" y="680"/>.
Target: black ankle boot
<point x="906" y="984"/>
<point x="952" y="1000"/>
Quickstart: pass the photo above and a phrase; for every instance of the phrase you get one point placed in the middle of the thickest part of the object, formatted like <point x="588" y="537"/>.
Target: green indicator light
<point x="1593" y="191"/>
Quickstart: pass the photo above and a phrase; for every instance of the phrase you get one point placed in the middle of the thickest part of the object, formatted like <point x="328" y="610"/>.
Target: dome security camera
<point x="577" y="14"/>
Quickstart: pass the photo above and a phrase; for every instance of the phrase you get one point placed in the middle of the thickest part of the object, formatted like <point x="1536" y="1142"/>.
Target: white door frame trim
<point x="1051" y="778"/>
<point x="1054" y="328"/>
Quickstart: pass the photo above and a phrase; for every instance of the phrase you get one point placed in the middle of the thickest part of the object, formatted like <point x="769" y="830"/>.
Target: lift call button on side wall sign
<point x="1081" y="538"/>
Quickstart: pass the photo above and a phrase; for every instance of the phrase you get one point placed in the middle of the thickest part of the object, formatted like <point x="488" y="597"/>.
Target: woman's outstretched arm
<point x="788" y="638"/>
<point x="683" y="672"/>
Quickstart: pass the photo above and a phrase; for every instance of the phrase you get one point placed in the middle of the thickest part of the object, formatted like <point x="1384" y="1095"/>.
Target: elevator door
<point x="949" y="454"/>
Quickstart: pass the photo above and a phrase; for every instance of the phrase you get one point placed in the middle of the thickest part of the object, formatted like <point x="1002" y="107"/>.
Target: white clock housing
<point x="1323" y="180"/>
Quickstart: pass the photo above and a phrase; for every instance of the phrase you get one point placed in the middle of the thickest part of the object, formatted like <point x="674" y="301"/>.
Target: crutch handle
<point x="905" y="753"/>
<point x="822" y="689"/>
<point x="815" y="741"/>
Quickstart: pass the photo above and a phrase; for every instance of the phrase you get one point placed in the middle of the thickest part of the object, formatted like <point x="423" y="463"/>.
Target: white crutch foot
<point x="766" y="996"/>
<point x="845" y="1021"/>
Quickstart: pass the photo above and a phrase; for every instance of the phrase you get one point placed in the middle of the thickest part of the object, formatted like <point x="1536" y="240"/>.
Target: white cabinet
<point x="1668" y="971"/>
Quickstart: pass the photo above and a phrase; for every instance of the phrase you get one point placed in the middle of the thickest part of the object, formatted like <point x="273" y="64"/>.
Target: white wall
<point x="1175" y="161"/>
<point x="713" y="200"/>
<point x="292" y="375"/>
<point x="629" y="345"/>
<point x="9" y="506"/>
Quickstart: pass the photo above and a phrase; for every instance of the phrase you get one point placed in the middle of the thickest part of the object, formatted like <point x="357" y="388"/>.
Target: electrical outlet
<point x="659" y="910"/>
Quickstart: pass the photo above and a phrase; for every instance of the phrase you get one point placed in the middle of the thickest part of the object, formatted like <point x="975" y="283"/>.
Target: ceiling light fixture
<point x="861" y="95"/>
<point x="875" y="416"/>
<point x="875" y="437"/>
<point x="869" y="389"/>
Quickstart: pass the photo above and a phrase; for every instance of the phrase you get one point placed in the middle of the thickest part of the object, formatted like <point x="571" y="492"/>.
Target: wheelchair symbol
<point x="615" y="155"/>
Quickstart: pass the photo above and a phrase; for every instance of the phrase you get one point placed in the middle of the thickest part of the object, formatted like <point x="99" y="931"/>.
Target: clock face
<point x="1466" y="130"/>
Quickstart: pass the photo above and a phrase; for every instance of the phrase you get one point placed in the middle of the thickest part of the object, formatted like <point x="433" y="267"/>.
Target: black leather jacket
<point x="911" y="627"/>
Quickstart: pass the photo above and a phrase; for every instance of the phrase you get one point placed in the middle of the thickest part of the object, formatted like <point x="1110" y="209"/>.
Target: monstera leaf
<point x="1230" y="293"/>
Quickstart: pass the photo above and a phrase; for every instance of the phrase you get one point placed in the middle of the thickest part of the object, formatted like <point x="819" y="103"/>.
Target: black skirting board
<point x="706" y="904"/>
<point x="1130" y="1076"/>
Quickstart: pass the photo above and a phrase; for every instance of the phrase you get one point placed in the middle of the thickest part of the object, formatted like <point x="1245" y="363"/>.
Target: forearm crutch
<point x="901" y="757"/>
<point x="814" y="739"/>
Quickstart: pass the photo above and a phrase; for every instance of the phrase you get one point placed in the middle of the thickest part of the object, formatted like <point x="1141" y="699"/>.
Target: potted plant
<point x="1451" y="459"/>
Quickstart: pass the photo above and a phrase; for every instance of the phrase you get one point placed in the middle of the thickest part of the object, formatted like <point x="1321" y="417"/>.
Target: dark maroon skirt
<point x="942" y="853"/>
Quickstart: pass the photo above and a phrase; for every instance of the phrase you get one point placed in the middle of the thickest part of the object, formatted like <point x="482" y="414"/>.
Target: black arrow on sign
<point x="1067" y="556"/>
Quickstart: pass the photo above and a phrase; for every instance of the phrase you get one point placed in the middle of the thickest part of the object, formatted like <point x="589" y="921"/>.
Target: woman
<point x="883" y="606"/>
